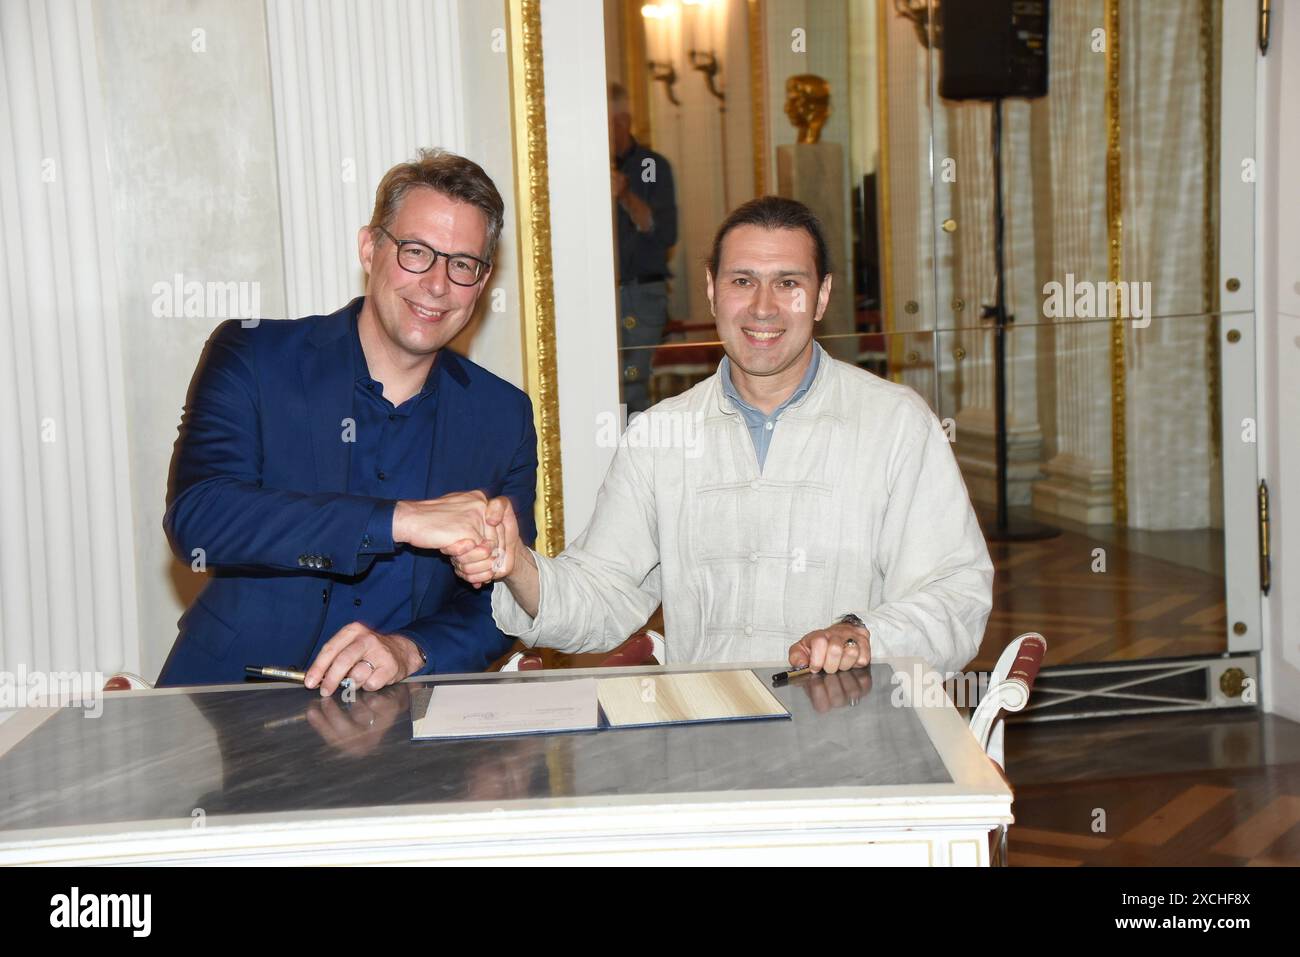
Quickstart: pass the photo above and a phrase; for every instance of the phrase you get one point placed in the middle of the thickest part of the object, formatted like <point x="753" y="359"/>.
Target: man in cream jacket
<point x="791" y="506"/>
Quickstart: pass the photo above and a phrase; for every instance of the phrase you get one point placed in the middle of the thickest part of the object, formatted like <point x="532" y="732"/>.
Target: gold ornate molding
<point x="1210" y="52"/>
<point x="536" y="284"/>
<point x="758" y="93"/>
<point x="893" y="348"/>
<point x="1114" y="242"/>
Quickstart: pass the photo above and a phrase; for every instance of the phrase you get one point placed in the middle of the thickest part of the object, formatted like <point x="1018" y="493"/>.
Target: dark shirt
<point x="389" y="459"/>
<point x="644" y="256"/>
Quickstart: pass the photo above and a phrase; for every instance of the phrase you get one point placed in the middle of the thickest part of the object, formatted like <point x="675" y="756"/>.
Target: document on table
<point x="508" y="707"/>
<point x="641" y="700"/>
<point x="497" y="708"/>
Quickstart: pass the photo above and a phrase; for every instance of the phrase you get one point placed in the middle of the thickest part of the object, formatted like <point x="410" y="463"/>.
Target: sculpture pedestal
<point x="1076" y="489"/>
<point x="976" y="453"/>
<point x="813" y="173"/>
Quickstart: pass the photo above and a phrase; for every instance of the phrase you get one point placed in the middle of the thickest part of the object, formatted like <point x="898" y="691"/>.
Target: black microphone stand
<point x="1004" y="528"/>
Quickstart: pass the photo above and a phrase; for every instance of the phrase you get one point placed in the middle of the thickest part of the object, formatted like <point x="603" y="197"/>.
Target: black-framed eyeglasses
<point x="417" y="257"/>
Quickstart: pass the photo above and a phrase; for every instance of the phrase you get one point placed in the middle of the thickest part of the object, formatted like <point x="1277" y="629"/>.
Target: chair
<point x="125" y="681"/>
<point x="1009" y="687"/>
<point x="640" y="649"/>
<point x="678" y="362"/>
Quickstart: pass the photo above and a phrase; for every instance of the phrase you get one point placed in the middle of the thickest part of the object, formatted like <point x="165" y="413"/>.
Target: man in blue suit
<point x="321" y="462"/>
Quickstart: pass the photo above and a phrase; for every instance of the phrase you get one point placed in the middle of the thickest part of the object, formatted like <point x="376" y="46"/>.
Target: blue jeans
<point x="642" y="315"/>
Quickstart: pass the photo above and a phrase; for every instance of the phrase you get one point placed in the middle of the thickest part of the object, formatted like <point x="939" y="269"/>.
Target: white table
<point x="271" y="774"/>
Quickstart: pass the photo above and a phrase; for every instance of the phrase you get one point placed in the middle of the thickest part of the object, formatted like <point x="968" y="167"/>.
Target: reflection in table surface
<point x="155" y="756"/>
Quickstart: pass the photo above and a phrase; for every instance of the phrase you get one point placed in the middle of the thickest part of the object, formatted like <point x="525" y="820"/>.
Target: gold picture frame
<point x="536" y="280"/>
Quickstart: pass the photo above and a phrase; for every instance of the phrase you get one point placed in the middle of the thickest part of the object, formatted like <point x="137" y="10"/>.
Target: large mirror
<point x="1117" y="466"/>
<point x="738" y="99"/>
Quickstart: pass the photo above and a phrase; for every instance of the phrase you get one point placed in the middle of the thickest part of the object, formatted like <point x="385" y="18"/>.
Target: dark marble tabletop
<point x="281" y="749"/>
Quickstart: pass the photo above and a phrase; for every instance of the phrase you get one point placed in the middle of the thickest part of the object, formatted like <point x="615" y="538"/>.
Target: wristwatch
<point x="854" y="620"/>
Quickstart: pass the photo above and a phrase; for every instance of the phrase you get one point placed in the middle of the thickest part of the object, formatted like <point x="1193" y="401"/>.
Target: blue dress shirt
<point x="761" y="425"/>
<point x="388" y="459"/>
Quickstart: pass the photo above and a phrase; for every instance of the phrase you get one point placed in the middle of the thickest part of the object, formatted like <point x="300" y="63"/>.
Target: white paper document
<point x="509" y="707"/>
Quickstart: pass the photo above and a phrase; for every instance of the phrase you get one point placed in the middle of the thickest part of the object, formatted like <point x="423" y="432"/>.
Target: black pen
<point x="782" y="677"/>
<point x="285" y="674"/>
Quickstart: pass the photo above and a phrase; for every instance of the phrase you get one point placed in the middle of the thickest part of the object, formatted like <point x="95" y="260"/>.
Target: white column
<point x="1075" y="354"/>
<point x="67" y="572"/>
<point x="582" y="250"/>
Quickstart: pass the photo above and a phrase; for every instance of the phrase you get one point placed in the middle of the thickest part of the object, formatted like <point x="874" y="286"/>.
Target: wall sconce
<point x="666" y="74"/>
<point x="707" y="63"/>
<point x="918" y="11"/>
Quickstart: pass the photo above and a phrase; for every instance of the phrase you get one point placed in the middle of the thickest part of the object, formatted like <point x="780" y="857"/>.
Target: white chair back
<point x="1009" y="688"/>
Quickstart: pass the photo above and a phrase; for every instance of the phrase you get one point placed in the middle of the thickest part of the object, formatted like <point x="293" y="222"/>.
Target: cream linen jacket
<point x="860" y="508"/>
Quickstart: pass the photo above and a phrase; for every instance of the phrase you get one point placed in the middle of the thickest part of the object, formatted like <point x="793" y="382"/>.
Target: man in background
<point x="646" y="229"/>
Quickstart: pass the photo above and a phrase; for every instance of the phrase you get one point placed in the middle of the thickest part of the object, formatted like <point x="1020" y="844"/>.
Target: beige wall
<point x="192" y="159"/>
<point x="192" y="167"/>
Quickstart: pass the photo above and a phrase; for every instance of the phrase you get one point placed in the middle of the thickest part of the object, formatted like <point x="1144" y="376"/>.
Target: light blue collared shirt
<point x="762" y="425"/>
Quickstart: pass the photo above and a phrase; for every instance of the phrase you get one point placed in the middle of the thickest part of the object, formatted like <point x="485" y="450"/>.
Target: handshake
<point x="479" y="535"/>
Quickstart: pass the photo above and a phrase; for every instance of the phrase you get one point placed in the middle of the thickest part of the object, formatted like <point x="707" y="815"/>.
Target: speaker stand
<point x="1003" y="528"/>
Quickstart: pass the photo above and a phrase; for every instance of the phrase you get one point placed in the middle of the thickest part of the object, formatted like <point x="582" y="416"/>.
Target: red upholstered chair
<point x="125" y="681"/>
<point x="1009" y="688"/>
<point x="643" y="648"/>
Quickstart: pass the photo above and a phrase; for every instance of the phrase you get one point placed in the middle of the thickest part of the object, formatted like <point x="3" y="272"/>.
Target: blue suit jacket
<point x="257" y="483"/>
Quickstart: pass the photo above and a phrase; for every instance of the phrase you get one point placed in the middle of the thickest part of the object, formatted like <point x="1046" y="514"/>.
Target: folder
<point x="490" y="709"/>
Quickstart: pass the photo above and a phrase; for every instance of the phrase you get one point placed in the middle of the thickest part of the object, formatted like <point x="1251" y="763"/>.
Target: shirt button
<point x="753" y="556"/>
<point x="393" y="418"/>
<point x="382" y="475"/>
<point x="756" y="485"/>
<point x="365" y="541"/>
<point x="749" y="629"/>
<point x="769" y="426"/>
<point x="357" y="602"/>
<point x="325" y="596"/>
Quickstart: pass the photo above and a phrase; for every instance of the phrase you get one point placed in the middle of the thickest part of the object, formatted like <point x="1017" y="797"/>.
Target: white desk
<point x="272" y="774"/>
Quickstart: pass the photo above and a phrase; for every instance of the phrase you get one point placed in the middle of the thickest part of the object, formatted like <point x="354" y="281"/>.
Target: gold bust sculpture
<point x="807" y="104"/>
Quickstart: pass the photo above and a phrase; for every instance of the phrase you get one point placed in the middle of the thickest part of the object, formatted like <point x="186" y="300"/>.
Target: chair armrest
<point x="1028" y="661"/>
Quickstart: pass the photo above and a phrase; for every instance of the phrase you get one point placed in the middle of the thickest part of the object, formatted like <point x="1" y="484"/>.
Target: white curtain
<point x="67" y="570"/>
<point x="358" y="86"/>
<point x="1174" y="462"/>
